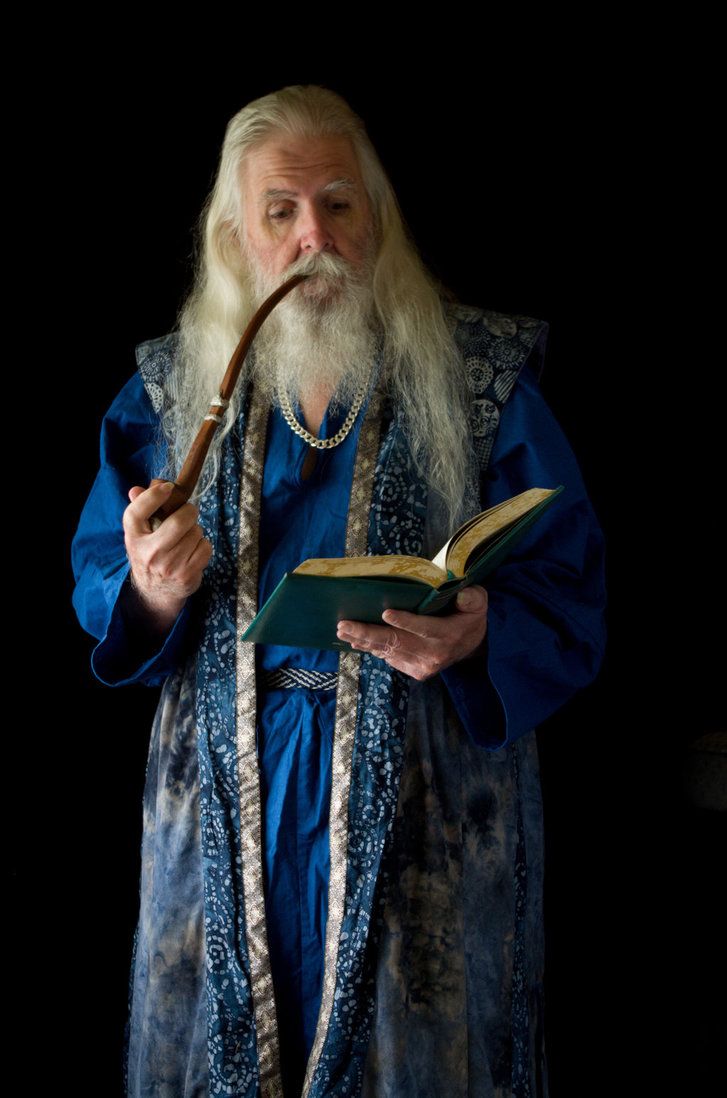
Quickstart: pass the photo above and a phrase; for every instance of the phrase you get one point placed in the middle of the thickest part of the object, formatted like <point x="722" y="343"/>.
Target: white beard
<point x="322" y="337"/>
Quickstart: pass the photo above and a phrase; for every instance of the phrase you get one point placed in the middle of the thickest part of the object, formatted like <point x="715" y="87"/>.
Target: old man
<point x="341" y="882"/>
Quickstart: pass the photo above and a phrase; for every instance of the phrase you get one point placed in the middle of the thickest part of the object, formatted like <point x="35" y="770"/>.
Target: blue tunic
<point x="299" y="518"/>
<point x="528" y="672"/>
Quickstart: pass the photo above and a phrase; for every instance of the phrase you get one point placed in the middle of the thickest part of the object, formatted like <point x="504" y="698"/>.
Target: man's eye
<point x="279" y="215"/>
<point x="337" y="206"/>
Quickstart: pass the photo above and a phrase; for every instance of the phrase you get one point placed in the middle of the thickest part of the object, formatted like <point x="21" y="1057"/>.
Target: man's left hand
<point x="421" y="645"/>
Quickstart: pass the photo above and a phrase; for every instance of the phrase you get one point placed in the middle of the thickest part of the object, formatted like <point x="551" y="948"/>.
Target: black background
<point x="530" y="187"/>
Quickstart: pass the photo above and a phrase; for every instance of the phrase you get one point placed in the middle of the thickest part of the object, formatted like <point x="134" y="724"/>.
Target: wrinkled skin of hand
<point x="420" y="645"/>
<point x="167" y="564"/>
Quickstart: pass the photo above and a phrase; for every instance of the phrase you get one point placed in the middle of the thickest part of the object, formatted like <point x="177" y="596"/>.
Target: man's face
<point x="304" y="196"/>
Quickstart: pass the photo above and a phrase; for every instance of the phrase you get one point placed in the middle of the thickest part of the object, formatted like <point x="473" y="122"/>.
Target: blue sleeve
<point x="546" y="629"/>
<point x="98" y="554"/>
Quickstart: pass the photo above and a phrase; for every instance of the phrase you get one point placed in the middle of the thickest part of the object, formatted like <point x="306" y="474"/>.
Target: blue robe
<point x="545" y="639"/>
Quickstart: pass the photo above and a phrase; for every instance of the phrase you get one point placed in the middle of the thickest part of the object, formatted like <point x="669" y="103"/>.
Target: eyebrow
<point x="340" y="185"/>
<point x="336" y="185"/>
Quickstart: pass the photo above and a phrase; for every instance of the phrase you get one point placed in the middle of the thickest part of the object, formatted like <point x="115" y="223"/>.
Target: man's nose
<point x="315" y="234"/>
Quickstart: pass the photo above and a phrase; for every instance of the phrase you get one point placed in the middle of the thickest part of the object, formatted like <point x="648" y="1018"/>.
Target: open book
<point x="307" y="604"/>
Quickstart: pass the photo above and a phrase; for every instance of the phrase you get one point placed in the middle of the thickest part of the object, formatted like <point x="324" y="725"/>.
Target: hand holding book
<point x="421" y="645"/>
<point x="306" y="606"/>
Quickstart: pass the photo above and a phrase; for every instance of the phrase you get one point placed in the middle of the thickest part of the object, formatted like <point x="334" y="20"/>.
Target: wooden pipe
<point x="186" y="482"/>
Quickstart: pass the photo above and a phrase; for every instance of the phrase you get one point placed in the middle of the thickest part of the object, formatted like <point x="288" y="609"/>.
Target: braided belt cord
<point x="288" y="678"/>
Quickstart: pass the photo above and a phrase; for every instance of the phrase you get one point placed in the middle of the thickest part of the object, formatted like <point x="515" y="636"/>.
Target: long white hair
<point x="424" y="370"/>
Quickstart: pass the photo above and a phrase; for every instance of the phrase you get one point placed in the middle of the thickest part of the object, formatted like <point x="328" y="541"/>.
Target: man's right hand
<point x="167" y="564"/>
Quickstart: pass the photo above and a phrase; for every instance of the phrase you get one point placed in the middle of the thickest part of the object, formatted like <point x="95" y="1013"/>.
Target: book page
<point x="392" y="566"/>
<point x="442" y="556"/>
<point x="440" y="561"/>
<point x="483" y="528"/>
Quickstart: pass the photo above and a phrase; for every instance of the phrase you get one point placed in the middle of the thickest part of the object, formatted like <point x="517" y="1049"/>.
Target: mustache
<point x="334" y="267"/>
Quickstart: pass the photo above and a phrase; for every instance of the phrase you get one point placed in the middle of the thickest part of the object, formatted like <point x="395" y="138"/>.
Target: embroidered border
<point x="266" y="1025"/>
<point x="344" y="733"/>
<point x="373" y="791"/>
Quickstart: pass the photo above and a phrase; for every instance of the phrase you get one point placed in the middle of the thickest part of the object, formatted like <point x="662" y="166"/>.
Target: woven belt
<point x="288" y="678"/>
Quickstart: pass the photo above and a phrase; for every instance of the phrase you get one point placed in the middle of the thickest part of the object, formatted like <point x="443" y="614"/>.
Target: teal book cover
<point x="304" y="609"/>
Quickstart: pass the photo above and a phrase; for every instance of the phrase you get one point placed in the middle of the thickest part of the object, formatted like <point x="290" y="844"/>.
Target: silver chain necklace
<point x="323" y="443"/>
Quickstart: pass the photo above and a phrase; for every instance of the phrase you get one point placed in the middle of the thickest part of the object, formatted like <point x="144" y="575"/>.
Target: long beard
<point x="322" y="337"/>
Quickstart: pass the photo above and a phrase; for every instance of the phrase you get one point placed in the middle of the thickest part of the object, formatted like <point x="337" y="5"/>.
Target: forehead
<point x="300" y="162"/>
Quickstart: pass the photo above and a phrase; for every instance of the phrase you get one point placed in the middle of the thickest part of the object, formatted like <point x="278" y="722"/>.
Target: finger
<point x="420" y="625"/>
<point x="389" y="646"/>
<point x="202" y="553"/>
<point x="143" y="506"/>
<point x="170" y="532"/>
<point x="180" y="560"/>
<point x="185" y="568"/>
<point x="472" y="600"/>
<point x="177" y="526"/>
<point x="369" y="637"/>
<point x="414" y="668"/>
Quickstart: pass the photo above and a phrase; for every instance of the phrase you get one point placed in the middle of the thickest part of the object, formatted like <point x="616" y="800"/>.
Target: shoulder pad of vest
<point x="154" y="358"/>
